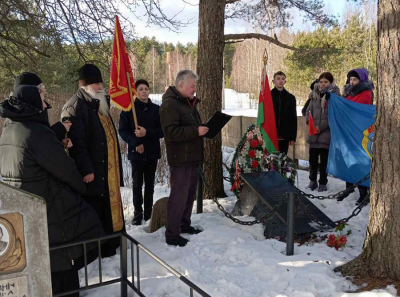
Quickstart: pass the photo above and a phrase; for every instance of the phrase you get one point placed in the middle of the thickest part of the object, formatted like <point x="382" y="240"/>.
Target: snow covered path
<point x="230" y="260"/>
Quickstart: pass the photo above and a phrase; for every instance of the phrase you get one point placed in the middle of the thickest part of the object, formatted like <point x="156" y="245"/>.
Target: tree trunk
<point x="380" y="255"/>
<point x="210" y="71"/>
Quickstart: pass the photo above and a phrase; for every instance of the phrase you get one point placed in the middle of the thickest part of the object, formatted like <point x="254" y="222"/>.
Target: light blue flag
<point x="352" y="127"/>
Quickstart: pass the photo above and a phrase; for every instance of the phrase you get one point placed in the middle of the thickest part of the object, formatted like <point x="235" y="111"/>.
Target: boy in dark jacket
<point x="143" y="148"/>
<point x="285" y="112"/>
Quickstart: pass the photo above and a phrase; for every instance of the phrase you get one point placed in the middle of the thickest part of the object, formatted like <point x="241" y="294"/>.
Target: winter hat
<point x="26" y="95"/>
<point x="27" y="78"/>
<point x="359" y="73"/>
<point x="313" y="83"/>
<point x="90" y="74"/>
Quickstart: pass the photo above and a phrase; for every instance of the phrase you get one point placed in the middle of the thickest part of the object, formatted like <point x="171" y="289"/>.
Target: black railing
<point x="123" y="279"/>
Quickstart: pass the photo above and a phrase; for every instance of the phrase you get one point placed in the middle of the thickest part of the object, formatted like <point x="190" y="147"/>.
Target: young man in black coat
<point x="96" y="151"/>
<point x="143" y="148"/>
<point x="285" y="113"/>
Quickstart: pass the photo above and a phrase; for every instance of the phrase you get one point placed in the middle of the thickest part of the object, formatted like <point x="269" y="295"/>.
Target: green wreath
<point x="252" y="156"/>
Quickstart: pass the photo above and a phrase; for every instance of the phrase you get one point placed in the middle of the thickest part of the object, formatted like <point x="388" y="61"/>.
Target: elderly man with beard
<point x="96" y="151"/>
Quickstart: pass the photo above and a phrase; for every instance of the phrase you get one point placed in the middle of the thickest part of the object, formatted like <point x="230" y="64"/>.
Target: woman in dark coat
<point x="33" y="160"/>
<point x="143" y="149"/>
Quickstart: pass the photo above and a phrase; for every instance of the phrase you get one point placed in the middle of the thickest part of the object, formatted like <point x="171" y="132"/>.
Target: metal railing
<point x="123" y="279"/>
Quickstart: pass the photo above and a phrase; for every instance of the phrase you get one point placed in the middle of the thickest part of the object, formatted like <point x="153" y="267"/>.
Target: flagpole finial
<point x="265" y="58"/>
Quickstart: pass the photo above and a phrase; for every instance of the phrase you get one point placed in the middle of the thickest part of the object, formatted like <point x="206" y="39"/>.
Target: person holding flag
<point x="360" y="90"/>
<point x="143" y="148"/>
<point x="319" y="142"/>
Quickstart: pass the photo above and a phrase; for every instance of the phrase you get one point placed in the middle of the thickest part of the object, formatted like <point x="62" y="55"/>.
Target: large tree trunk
<point x="380" y="255"/>
<point x="210" y="71"/>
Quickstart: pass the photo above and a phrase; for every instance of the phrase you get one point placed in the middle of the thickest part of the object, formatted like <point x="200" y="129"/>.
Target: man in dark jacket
<point x="285" y="113"/>
<point x="33" y="160"/>
<point x="96" y="151"/>
<point x="181" y="124"/>
<point x="143" y="148"/>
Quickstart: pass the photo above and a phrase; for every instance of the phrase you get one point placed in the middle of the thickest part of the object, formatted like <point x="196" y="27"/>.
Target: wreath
<point x="252" y="156"/>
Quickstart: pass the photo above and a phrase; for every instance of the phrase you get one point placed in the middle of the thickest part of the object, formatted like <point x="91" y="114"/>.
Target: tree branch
<point x="24" y="45"/>
<point x="231" y="37"/>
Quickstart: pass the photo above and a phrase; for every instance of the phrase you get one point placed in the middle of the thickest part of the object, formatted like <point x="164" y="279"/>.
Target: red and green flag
<point x="266" y="115"/>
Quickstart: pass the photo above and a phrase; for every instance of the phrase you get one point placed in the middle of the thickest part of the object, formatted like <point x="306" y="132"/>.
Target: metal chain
<point x="355" y="212"/>
<point x="335" y="196"/>
<point x="228" y="215"/>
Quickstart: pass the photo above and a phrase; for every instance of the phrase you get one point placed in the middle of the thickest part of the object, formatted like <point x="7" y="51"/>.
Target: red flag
<point x="120" y="65"/>
<point x="266" y="115"/>
<point x="311" y="126"/>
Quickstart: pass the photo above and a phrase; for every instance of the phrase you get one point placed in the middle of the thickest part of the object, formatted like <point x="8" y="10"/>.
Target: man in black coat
<point x="285" y="113"/>
<point x="33" y="160"/>
<point x="143" y="148"/>
<point x="96" y="151"/>
<point x="183" y="131"/>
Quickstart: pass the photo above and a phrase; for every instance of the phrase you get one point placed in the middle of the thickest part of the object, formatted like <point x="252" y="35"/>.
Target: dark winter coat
<point x="180" y="120"/>
<point x="148" y="116"/>
<point x="59" y="130"/>
<point x="319" y="110"/>
<point x="285" y="114"/>
<point x="33" y="160"/>
<point x="89" y="141"/>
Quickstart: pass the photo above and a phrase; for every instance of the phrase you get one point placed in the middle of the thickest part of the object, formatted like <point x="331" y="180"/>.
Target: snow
<point x="228" y="259"/>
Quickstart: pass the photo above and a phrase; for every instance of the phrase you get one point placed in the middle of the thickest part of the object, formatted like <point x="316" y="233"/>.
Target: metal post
<point x="200" y="193"/>
<point x="290" y="226"/>
<point x="124" y="266"/>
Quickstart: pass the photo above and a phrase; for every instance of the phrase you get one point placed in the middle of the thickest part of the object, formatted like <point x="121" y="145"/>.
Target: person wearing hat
<point x="96" y="151"/>
<point x="358" y="89"/>
<point x="33" y="160"/>
<point x="319" y="143"/>
<point x="59" y="128"/>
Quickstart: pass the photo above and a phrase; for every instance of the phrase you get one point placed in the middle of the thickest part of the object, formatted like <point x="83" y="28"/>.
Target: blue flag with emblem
<point x="352" y="129"/>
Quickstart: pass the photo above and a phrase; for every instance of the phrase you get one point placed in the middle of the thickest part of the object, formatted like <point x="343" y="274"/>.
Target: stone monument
<point x="24" y="244"/>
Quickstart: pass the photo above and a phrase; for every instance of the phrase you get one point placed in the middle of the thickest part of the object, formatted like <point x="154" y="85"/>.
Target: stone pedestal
<point x="24" y="244"/>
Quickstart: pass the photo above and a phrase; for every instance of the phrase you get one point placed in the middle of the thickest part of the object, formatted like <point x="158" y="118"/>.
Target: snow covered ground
<point x="231" y="260"/>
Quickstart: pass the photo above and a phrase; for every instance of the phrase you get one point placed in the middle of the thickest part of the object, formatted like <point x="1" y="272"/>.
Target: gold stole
<point x="113" y="173"/>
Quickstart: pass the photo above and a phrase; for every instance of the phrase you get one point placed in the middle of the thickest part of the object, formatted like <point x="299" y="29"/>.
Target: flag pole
<point x="128" y="77"/>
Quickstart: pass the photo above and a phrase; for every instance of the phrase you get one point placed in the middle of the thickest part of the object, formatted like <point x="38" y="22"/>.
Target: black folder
<point x="216" y="123"/>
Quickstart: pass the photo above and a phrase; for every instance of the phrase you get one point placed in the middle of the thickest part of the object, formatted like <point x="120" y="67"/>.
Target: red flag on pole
<point x="120" y="70"/>
<point x="266" y="115"/>
<point x="311" y="126"/>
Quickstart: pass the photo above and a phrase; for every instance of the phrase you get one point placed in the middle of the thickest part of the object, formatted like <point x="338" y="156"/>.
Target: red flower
<point x="254" y="164"/>
<point x="254" y="143"/>
<point x="332" y="237"/>
<point x="337" y="245"/>
<point x="252" y="154"/>
<point x="265" y="152"/>
<point x="342" y="239"/>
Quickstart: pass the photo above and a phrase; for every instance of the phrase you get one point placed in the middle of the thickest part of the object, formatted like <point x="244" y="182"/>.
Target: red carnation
<point x="332" y="237"/>
<point x="252" y="154"/>
<point x="254" y="164"/>
<point x="254" y="143"/>
<point x="342" y="239"/>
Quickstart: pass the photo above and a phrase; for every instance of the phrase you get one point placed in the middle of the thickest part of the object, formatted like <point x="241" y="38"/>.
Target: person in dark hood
<point x="33" y="160"/>
<point x="96" y="151"/>
<point x="358" y="89"/>
<point x="183" y="131"/>
<point x="59" y="128"/>
<point x="304" y="109"/>
<point x="319" y="143"/>
<point x="143" y="148"/>
<point x="285" y="113"/>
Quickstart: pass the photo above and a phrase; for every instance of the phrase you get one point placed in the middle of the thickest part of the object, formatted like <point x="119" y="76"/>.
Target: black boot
<point x="177" y="241"/>
<point x="137" y="219"/>
<point x="363" y="194"/>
